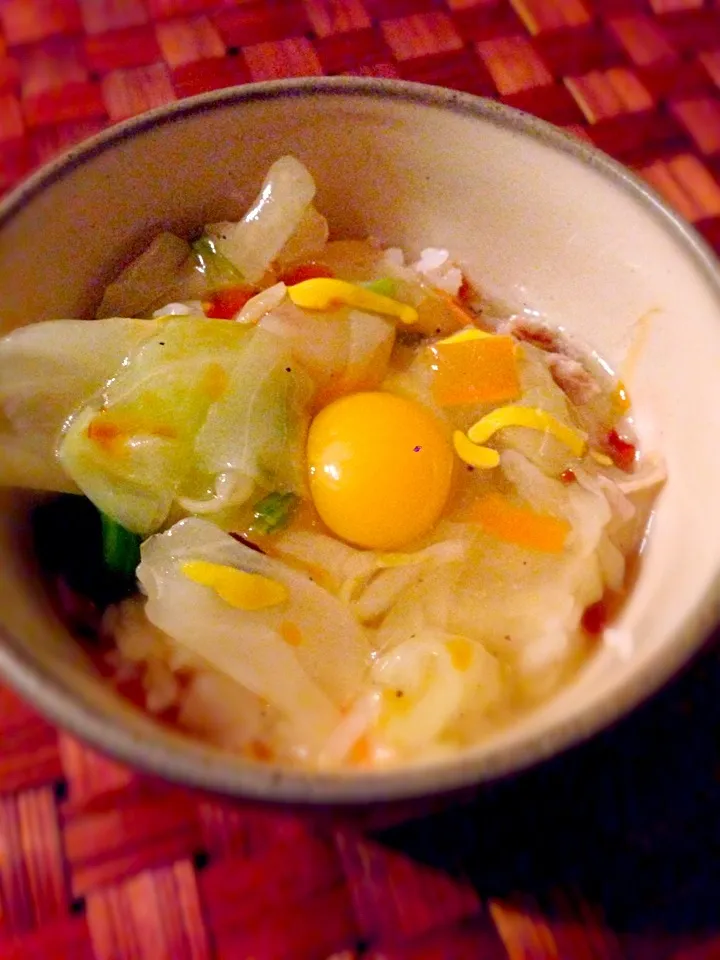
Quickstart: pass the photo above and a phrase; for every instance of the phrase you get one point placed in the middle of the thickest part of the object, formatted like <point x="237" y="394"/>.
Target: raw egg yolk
<point x="380" y="469"/>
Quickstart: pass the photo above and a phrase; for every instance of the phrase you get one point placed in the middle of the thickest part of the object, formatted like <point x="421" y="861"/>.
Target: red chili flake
<point x="595" y="618"/>
<point x="224" y="304"/>
<point x="568" y="476"/>
<point x="622" y="451"/>
<point x="306" y="271"/>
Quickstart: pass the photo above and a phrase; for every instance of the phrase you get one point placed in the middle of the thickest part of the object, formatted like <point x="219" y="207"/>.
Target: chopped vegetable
<point x="121" y="548"/>
<point x="531" y="417"/>
<point x="257" y="428"/>
<point x="305" y="271"/>
<point x="274" y="512"/>
<point x="225" y="304"/>
<point x="461" y="316"/>
<point x="309" y="239"/>
<point x="47" y="371"/>
<point x="475" y="456"/>
<point x="474" y="369"/>
<point x="369" y="345"/>
<point x="219" y="272"/>
<point x="520" y="525"/>
<point x="275" y="215"/>
<point x="261" y="304"/>
<point x="439" y="314"/>
<point x="386" y="287"/>
<point x="244" y="591"/>
<point x="164" y="272"/>
<point x="623" y="452"/>
<point x="468" y="333"/>
<point x="306" y="683"/>
<point x="358" y="261"/>
<point x="325" y="294"/>
<point x="202" y="405"/>
<point x="215" y="381"/>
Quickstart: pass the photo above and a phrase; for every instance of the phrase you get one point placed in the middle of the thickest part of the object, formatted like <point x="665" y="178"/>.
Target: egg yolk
<point x="380" y="469"/>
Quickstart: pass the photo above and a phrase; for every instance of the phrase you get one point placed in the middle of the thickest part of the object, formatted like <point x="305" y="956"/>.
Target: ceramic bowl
<point x="541" y="220"/>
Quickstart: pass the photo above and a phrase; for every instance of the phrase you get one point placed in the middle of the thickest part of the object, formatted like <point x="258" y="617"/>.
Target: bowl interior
<point x="539" y="222"/>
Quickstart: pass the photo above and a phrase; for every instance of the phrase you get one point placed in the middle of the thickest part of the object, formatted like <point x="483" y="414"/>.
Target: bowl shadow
<point x="628" y="820"/>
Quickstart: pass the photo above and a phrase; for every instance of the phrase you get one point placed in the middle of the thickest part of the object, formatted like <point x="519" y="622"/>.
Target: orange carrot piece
<point x="519" y="525"/>
<point x="461" y="316"/>
<point x="291" y="633"/>
<point x="475" y="371"/>
<point x="360" y="753"/>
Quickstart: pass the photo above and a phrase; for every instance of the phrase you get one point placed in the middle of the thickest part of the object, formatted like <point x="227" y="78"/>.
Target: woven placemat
<point x="611" y="852"/>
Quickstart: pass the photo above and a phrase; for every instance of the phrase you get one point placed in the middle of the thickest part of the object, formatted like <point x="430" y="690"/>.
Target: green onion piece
<point x="274" y="512"/>
<point x="219" y="271"/>
<point x="121" y="548"/>
<point x="386" y="287"/>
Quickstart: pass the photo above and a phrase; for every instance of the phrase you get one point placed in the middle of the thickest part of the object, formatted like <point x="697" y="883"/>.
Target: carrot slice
<point x="462" y="316"/>
<point x="519" y="525"/>
<point x="482" y="370"/>
<point x="225" y="303"/>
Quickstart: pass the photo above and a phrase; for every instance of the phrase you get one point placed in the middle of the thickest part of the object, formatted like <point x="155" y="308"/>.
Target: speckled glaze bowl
<point x="540" y="219"/>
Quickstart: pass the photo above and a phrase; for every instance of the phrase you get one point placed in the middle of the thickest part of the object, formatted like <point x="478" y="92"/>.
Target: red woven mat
<point x="612" y="852"/>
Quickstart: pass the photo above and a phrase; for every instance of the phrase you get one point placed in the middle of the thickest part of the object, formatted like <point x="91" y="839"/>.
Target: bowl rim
<point x="189" y="764"/>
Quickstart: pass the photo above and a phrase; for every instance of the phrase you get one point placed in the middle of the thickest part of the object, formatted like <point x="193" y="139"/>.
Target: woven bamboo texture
<point x="611" y="853"/>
